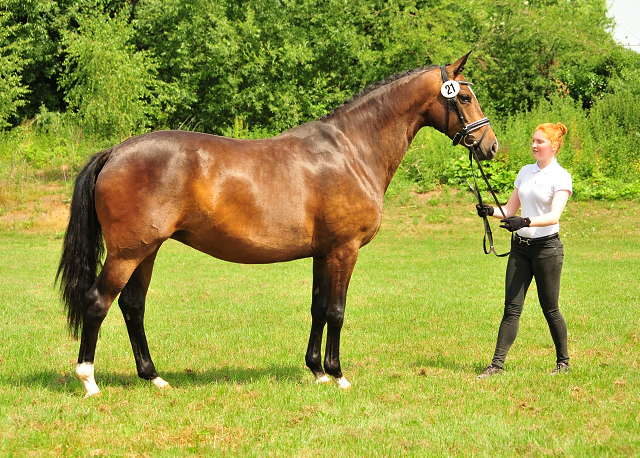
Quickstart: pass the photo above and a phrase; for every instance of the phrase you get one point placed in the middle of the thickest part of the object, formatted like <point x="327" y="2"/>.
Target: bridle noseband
<point x="450" y="91"/>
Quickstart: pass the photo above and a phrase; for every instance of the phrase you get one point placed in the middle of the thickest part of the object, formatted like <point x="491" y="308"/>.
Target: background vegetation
<point x="78" y="75"/>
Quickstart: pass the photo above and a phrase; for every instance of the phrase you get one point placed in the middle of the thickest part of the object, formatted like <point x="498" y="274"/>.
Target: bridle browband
<point x="468" y="139"/>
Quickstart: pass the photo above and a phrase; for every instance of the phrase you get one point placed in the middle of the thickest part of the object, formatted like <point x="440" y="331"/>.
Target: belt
<point x="536" y="240"/>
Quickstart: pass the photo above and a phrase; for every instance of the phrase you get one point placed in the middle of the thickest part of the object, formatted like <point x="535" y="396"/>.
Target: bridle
<point x="450" y="90"/>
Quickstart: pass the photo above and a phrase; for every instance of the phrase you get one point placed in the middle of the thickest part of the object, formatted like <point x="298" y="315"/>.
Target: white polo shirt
<point x="536" y="188"/>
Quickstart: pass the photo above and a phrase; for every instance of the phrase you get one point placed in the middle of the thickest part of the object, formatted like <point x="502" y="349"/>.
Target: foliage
<point x="42" y="25"/>
<point x="599" y="150"/>
<point x="460" y="172"/>
<point x="110" y="84"/>
<point x="525" y="55"/>
<point x="616" y="130"/>
<point x="276" y="64"/>
<point x="49" y="147"/>
<point x="253" y="68"/>
<point x="12" y="89"/>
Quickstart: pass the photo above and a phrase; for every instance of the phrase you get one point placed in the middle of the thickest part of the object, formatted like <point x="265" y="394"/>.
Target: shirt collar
<point x="548" y="169"/>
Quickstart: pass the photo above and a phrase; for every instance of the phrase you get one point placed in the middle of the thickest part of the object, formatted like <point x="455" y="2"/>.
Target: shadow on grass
<point x="441" y="362"/>
<point x="61" y="383"/>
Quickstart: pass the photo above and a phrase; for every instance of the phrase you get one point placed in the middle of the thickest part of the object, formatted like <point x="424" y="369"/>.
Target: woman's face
<point x="542" y="148"/>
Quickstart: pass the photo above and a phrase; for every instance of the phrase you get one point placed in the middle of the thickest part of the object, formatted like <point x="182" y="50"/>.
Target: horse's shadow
<point x="230" y="375"/>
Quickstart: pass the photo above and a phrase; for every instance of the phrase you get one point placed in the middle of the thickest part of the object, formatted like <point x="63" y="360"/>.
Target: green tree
<point x="12" y="90"/>
<point x="277" y="63"/>
<point x="271" y="63"/>
<point x="110" y="85"/>
<point x="528" y="50"/>
<point x="615" y="122"/>
<point x="41" y="24"/>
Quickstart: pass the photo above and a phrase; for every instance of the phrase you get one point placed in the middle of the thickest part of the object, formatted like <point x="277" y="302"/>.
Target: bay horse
<point x="313" y="191"/>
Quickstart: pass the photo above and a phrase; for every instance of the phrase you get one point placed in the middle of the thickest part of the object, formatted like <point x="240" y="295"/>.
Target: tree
<point x="12" y="90"/>
<point x="531" y="49"/>
<point x="110" y="85"/>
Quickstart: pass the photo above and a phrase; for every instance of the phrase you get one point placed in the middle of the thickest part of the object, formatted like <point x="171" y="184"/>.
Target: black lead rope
<point x="452" y="104"/>
<point x="488" y="235"/>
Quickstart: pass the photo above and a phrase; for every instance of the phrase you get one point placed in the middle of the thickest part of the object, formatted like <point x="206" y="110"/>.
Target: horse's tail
<point x="83" y="245"/>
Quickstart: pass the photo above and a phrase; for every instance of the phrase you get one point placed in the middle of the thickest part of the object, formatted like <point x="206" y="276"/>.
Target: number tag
<point x="450" y="89"/>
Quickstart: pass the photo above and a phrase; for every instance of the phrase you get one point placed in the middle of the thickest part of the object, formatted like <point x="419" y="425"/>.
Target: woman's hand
<point x="484" y="210"/>
<point x="513" y="223"/>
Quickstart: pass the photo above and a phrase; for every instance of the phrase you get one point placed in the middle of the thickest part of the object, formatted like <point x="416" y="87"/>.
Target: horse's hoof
<point x="160" y="383"/>
<point x="92" y="394"/>
<point x="322" y="378"/>
<point x="342" y="383"/>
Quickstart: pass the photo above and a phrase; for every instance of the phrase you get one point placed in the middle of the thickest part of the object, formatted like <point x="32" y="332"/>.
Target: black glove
<point x="484" y="210"/>
<point x="513" y="223"/>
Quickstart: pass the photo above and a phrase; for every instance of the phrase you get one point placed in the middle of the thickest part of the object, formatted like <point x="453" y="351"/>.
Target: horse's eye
<point x="464" y="98"/>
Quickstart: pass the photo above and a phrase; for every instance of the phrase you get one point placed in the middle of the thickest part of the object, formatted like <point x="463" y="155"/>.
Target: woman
<point x="542" y="190"/>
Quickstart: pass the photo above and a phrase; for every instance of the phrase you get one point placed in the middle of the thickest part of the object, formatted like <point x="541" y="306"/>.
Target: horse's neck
<point x="382" y="126"/>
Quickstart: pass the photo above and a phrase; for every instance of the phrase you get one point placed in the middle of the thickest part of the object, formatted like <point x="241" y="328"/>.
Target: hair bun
<point x="562" y="128"/>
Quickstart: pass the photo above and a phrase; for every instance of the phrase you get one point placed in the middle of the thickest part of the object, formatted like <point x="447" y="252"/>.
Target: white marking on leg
<point x="322" y="378"/>
<point x="84" y="373"/>
<point x="160" y="383"/>
<point x="342" y="383"/>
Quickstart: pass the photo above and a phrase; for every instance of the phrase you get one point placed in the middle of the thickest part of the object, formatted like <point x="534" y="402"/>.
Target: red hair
<point x="554" y="132"/>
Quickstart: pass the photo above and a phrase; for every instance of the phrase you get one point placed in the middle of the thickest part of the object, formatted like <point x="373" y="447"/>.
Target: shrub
<point x="110" y="85"/>
<point x="11" y="63"/>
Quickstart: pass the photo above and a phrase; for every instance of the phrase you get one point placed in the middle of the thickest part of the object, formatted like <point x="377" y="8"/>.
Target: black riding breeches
<point x="542" y="261"/>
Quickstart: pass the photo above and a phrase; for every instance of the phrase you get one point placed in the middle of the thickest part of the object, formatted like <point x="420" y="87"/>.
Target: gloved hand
<point x="513" y="223"/>
<point x="484" y="210"/>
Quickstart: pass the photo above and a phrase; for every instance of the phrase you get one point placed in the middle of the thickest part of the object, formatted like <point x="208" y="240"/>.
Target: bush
<point x="11" y="63"/>
<point x="110" y="85"/>
<point x="52" y="144"/>
<point x="599" y="150"/>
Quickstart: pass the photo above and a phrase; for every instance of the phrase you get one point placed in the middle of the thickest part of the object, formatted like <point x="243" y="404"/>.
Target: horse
<point x="315" y="191"/>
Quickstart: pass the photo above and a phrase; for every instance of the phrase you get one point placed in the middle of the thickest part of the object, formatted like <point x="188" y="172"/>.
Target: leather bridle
<point x="466" y="137"/>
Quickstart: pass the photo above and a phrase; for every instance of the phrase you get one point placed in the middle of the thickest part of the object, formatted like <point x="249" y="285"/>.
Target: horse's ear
<point x="458" y="65"/>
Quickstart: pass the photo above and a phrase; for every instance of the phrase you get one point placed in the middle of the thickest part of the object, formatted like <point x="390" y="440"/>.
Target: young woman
<point x="542" y="190"/>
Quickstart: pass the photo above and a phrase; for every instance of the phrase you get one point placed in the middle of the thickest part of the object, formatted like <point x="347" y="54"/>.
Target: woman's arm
<point x="558" y="205"/>
<point x="510" y="208"/>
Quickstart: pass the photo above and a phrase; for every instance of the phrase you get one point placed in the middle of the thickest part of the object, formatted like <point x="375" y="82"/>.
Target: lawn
<point x="421" y="321"/>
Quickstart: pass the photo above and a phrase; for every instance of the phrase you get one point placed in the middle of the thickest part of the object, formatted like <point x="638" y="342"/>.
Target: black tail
<point x="83" y="245"/>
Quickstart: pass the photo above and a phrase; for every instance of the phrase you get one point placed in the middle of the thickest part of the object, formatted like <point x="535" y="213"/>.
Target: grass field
<point x="421" y="321"/>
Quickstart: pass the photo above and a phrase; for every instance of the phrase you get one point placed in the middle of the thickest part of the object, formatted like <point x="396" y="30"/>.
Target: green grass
<point x="422" y="317"/>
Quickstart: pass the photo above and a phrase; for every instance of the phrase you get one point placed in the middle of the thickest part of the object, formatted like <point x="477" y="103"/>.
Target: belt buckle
<point x="523" y="240"/>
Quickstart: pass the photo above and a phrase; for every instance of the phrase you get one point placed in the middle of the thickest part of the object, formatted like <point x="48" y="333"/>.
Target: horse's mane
<point x="374" y="86"/>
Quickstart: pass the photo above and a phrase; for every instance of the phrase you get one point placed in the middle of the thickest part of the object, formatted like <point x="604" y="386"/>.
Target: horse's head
<point x="462" y="118"/>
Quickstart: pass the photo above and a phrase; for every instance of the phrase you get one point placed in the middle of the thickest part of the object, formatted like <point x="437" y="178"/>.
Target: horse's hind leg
<point x="113" y="277"/>
<point x="132" y="303"/>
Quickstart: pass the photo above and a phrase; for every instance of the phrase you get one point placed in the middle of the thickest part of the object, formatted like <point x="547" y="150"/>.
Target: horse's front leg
<point x="334" y="274"/>
<point x="319" y="304"/>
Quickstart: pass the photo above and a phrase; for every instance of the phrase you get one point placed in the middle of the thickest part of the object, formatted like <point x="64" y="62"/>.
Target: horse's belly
<point x="249" y="244"/>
